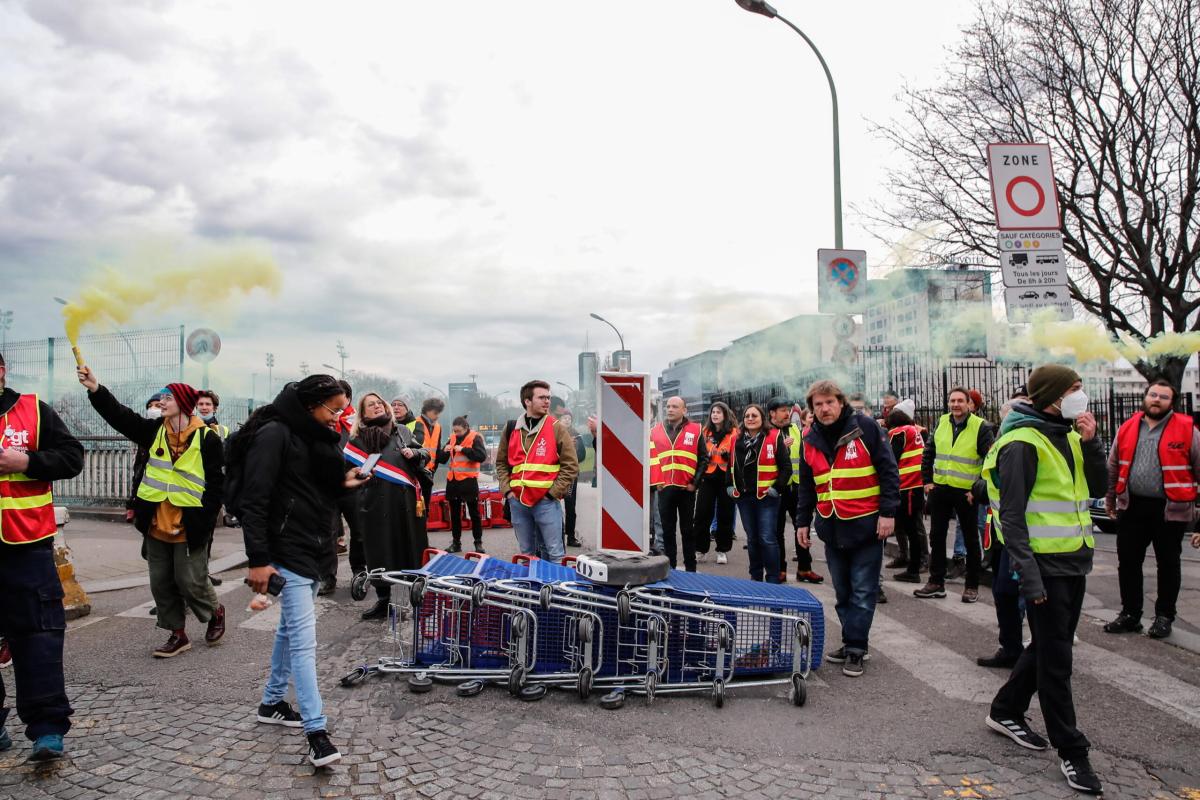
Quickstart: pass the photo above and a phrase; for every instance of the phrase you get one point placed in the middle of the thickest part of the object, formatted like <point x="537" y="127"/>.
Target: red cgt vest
<point x="910" y="456"/>
<point x="768" y="464"/>
<point x="533" y="473"/>
<point x="850" y="488"/>
<point x="26" y="505"/>
<point x="1174" y="447"/>
<point x="675" y="465"/>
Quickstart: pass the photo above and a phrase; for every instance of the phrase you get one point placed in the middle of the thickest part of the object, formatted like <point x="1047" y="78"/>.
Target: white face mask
<point x="154" y="413"/>
<point x="1073" y="404"/>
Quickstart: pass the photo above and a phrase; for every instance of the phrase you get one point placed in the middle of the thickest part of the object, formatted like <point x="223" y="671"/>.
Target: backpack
<point x="237" y="446"/>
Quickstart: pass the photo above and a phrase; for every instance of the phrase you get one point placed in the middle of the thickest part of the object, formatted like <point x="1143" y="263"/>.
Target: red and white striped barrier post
<point x="623" y="461"/>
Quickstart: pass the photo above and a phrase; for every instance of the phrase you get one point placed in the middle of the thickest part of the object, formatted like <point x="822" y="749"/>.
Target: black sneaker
<point x="279" y="714"/>
<point x="839" y="656"/>
<point x="328" y="585"/>
<point x="930" y="589"/>
<point x="881" y="598"/>
<point x="958" y="568"/>
<point x="1080" y="776"/>
<point x="479" y="548"/>
<point x="573" y="541"/>
<point x="998" y="660"/>
<point x="1019" y="731"/>
<point x="455" y="547"/>
<point x="853" y="668"/>
<point x="1124" y="623"/>
<point x="1161" y="628"/>
<point x="321" y="751"/>
<point x="907" y="577"/>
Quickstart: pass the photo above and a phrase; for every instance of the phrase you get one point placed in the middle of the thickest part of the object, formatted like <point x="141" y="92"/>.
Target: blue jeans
<point x="295" y="653"/>
<point x="855" y="575"/>
<point x="539" y="529"/>
<point x="759" y="518"/>
<point x="656" y="539"/>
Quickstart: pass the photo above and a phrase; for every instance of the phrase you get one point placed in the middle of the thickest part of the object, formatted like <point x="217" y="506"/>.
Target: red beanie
<point x="185" y="397"/>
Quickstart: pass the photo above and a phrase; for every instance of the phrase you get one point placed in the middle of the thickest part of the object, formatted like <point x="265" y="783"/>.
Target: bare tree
<point x="1113" y="86"/>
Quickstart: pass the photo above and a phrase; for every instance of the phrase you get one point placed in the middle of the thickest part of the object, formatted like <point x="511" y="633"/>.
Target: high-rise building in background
<point x="460" y="400"/>
<point x="589" y="365"/>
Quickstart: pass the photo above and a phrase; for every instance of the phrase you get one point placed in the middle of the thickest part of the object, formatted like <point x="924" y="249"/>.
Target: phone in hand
<point x="369" y="465"/>
<point x="275" y="584"/>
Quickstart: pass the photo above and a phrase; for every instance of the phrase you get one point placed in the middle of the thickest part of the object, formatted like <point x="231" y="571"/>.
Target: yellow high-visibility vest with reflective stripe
<point x="1057" y="513"/>
<point x="957" y="462"/>
<point x="793" y="431"/>
<point x="180" y="483"/>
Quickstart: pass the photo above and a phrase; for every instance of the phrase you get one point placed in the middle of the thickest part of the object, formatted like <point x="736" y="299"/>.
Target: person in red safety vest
<point x="758" y="480"/>
<point x="36" y="449"/>
<point x="678" y="460"/>
<point x="908" y="446"/>
<point x="1153" y="470"/>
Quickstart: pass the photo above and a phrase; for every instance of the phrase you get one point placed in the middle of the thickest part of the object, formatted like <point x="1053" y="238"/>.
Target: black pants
<point x="1045" y="666"/>
<point x="348" y="510"/>
<point x="459" y="493"/>
<point x="1140" y="526"/>
<point x="569" y="516"/>
<point x="910" y="528"/>
<point x="787" y="505"/>
<point x="711" y="497"/>
<point x="677" y="504"/>
<point x="34" y="623"/>
<point x="946" y="502"/>
<point x="1006" y="592"/>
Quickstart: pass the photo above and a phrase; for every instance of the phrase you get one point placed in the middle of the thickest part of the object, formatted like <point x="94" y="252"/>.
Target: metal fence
<point x="107" y="476"/>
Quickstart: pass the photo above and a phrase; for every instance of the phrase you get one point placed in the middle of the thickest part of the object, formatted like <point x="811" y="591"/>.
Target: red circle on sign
<point x="1025" y="212"/>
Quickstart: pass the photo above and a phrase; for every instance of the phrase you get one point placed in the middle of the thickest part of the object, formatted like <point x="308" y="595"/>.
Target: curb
<point x="222" y="564"/>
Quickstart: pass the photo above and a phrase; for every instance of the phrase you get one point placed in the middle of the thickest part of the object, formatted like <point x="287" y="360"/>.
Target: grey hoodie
<point x="1016" y="473"/>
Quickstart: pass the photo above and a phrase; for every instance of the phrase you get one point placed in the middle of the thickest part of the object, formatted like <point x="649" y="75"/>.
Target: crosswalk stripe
<point x="268" y="618"/>
<point x="143" y="611"/>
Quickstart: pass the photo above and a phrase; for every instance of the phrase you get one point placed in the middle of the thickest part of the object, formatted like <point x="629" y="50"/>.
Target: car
<point x="1030" y="296"/>
<point x="1100" y="518"/>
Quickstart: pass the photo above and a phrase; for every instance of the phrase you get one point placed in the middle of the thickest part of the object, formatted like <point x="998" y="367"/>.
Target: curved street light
<point x="436" y="389"/>
<point x="765" y="9"/>
<point x="614" y="327"/>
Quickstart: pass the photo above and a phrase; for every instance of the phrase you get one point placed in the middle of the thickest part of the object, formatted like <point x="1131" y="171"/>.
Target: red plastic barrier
<point x="437" y="517"/>
<point x="497" y="509"/>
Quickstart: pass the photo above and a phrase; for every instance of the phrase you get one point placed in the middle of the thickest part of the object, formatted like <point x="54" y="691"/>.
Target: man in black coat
<point x="31" y="610"/>
<point x="176" y="507"/>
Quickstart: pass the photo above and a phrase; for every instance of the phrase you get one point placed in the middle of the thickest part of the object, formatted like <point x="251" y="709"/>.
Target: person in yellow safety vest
<point x="403" y="415"/>
<point x="35" y="449"/>
<point x="427" y="432"/>
<point x="780" y="411"/>
<point x="535" y="466"/>
<point x="464" y="453"/>
<point x="678" y="446"/>
<point x="176" y="507"/>
<point x="1039" y="477"/>
<point x="950" y="465"/>
<point x="207" y="403"/>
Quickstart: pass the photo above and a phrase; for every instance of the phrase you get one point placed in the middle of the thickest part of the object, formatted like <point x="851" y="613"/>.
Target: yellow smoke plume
<point x="200" y="281"/>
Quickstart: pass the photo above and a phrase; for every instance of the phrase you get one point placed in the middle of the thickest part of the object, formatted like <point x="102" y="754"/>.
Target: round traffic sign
<point x="1012" y="202"/>
<point x="843" y="274"/>
<point x="845" y="353"/>
<point x="203" y="345"/>
<point x="843" y="325"/>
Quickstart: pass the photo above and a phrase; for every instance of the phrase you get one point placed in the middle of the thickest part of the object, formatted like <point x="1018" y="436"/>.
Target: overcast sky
<point x="450" y="187"/>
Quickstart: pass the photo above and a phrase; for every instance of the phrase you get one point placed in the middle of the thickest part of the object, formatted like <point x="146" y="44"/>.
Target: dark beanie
<point x="1048" y="383"/>
<point x="185" y="397"/>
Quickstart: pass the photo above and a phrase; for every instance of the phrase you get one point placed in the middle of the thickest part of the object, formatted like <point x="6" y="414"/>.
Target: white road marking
<point x="143" y="611"/>
<point x="83" y="622"/>
<point x="268" y="618"/>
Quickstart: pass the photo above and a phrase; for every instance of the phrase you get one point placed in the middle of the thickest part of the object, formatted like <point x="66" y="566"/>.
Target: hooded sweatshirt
<point x="1016" y="473"/>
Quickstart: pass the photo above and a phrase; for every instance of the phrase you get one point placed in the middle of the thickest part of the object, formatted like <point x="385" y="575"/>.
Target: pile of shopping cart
<point x="530" y="625"/>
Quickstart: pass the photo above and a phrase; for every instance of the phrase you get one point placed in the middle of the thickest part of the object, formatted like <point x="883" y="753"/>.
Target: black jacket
<point x="987" y="435"/>
<point x="848" y="533"/>
<point x="198" y="523"/>
<point x="1016" y="473"/>
<point x="59" y="455"/>
<point x="743" y="476"/>
<point x="291" y="483"/>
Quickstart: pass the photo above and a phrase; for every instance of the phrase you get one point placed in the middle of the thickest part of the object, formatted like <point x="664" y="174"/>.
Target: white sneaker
<point x="701" y="558"/>
<point x="722" y="558"/>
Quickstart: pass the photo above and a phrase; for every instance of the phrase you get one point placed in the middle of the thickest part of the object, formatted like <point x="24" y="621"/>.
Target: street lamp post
<point x="6" y="318"/>
<point x="436" y="389"/>
<point x="332" y="368"/>
<point x="763" y="8"/>
<point x="623" y="361"/>
<point x="342" y="354"/>
<point x="270" y="372"/>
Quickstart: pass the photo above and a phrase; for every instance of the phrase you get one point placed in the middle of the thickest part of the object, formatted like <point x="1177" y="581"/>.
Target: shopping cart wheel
<point x="802" y="634"/>
<point x="533" y="693"/>
<point x="478" y="593"/>
<point x="585" y="630"/>
<point x="516" y="680"/>
<point x="723" y="637"/>
<point x="420" y="683"/>
<point x="613" y="700"/>
<point x="651" y="685"/>
<point x="584" y="686"/>
<point x="799" y="692"/>
<point x="469" y="688"/>
<point x="623" y="609"/>
<point x="416" y="592"/>
<point x="358" y="586"/>
<point x="718" y="693"/>
<point x="356" y="675"/>
<point x="652" y="631"/>
<point x="519" y="626"/>
<point x="545" y="596"/>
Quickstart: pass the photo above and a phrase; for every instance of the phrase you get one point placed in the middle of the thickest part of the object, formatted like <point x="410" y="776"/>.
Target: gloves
<point x="729" y="490"/>
<point x="772" y="492"/>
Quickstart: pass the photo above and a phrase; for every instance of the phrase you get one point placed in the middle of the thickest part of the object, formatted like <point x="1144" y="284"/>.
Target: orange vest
<point x="26" y="505"/>
<point x="461" y="467"/>
<point x="768" y="464"/>
<point x="850" y="488"/>
<point x="910" y="456"/>
<point x="431" y="438"/>
<point x="1174" y="447"/>
<point x="676" y="466"/>
<point x="533" y="473"/>
<point x="718" y="452"/>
